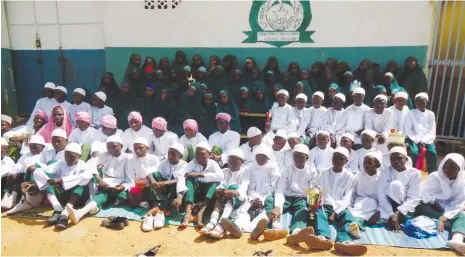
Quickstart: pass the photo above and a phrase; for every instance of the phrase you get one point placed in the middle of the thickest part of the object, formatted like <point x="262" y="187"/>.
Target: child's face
<point x="59" y="143"/>
<point x="174" y="156"/>
<point x="59" y="95"/>
<point x="190" y="133"/>
<point x="322" y="141"/>
<point x="339" y="160"/>
<point x="451" y="169"/>
<point x="316" y="101"/>
<point x="78" y="98"/>
<point x="204" y="89"/>
<point x="300" y="103"/>
<point x="370" y="164"/>
<point x="293" y="141"/>
<point x="82" y="125"/>
<point x="388" y="80"/>
<point x="38" y="121"/>
<point x="363" y="66"/>
<point x="96" y="101"/>
<point x="299" y="88"/>
<point x="108" y="131"/>
<point x="303" y="75"/>
<point x="148" y="61"/>
<point x="411" y="63"/>
<point x="207" y="100"/>
<point x="279" y="142"/>
<point x="275" y="90"/>
<point x="36" y="149"/>
<point x="331" y="92"/>
<point x="191" y="91"/>
<point x="261" y="159"/>
<point x="124" y="88"/>
<point x="234" y="162"/>
<point x="114" y="149"/>
<point x="160" y="75"/>
<point x="348" y="78"/>
<point x="5" y="126"/>
<point x="197" y="60"/>
<point x="48" y="92"/>
<point x="140" y="150"/>
<point x="58" y="115"/>
<point x="398" y="161"/>
<point x="300" y="159"/>
<point x="249" y="64"/>
<point x="259" y="95"/>
<point x="148" y="92"/>
<point x="237" y="76"/>
<point x="337" y="103"/>
<point x="367" y="141"/>
<point x="272" y="64"/>
<point x="379" y="105"/>
<point x="223" y="98"/>
<point x="163" y="94"/>
<point x="158" y="132"/>
<point x="345" y="142"/>
<point x="358" y="98"/>
<point x="201" y="156"/>
<point x="71" y="158"/>
<point x="293" y="68"/>
<point x="282" y="99"/>
<point x="420" y="103"/>
<point x="212" y="61"/>
<point x="221" y="125"/>
<point x="135" y="124"/>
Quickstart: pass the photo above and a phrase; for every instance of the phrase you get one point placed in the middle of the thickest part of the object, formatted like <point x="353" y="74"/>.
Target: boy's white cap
<point x="376" y="155"/>
<point x="340" y="96"/>
<point x="96" y="146"/>
<point x="281" y="133"/>
<point x="59" y="133"/>
<point x="401" y="95"/>
<point x="141" y="140"/>
<point x="37" y="139"/>
<point x="359" y="90"/>
<point x="322" y="132"/>
<point x="50" y="85"/>
<point x="3" y="141"/>
<point x="253" y="132"/>
<point x="73" y="147"/>
<point x="301" y="148"/>
<point x="178" y="147"/>
<point x="370" y="132"/>
<point x="62" y="89"/>
<point x="203" y="145"/>
<point x="284" y="92"/>
<point x="262" y="149"/>
<point x="236" y="152"/>
<point x="101" y="95"/>
<point x="80" y="91"/>
<point x="320" y="94"/>
<point x="424" y="95"/>
<point x="398" y="149"/>
<point x="381" y="96"/>
<point x="343" y="151"/>
<point x="301" y="96"/>
<point x="293" y="135"/>
<point x="7" y="118"/>
<point x="349" y="136"/>
<point x="114" y="139"/>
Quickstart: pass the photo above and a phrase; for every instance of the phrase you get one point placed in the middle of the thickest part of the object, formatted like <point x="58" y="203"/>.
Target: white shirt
<point x="249" y="155"/>
<point x="357" y="158"/>
<point x="211" y="173"/>
<point x="320" y="159"/>
<point x="365" y="195"/>
<point x="333" y="121"/>
<point x="399" y="117"/>
<point x="170" y="171"/>
<point x="160" y="145"/>
<point x="98" y="113"/>
<point x="52" y="155"/>
<point x="354" y="117"/>
<point x="73" y="109"/>
<point x="103" y="138"/>
<point x="115" y="171"/>
<point x="139" y="168"/>
<point x="337" y="188"/>
<point x="241" y="178"/>
<point x="44" y="104"/>
<point x="279" y="156"/>
<point x="283" y="118"/>
<point x="294" y="182"/>
<point x="7" y="165"/>
<point x="129" y="136"/>
<point x="65" y="104"/>
<point x="263" y="180"/>
<point x="316" y="119"/>
<point x="184" y="140"/>
<point x="72" y="176"/>
<point x="420" y="126"/>
<point x="380" y="123"/>
<point x="87" y="136"/>
<point x="227" y="141"/>
<point x="303" y="119"/>
<point x="25" y="161"/>
<point x="411" y="179"/>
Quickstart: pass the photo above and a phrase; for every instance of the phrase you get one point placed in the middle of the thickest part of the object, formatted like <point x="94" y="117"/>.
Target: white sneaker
<point x="74" y="215"/>
<point x="159" y="220"/>
<point x="7" y="201"/>
<point x="457" y="245"/>
<point x="354" y="230"/>
<point x="94" y="211"/>
<point x="217" y="232"/>
<point x="147" y="223"/>
<point x="144" y="204"/>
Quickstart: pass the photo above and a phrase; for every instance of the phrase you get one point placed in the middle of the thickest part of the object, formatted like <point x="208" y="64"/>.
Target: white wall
<point x="5" y="36"/>
<point x="77" y="24"/>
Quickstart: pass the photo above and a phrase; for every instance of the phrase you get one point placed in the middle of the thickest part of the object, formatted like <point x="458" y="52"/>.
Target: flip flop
<point x="300" y="236"/>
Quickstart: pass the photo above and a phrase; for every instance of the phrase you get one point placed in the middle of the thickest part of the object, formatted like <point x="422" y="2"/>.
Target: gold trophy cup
<point x="315" y="195"/>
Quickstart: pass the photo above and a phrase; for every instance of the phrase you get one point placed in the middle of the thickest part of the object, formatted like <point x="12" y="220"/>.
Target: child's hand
<point x="176" y="203"/>
<point x="331" y="218"/>
<point x="119" y="188"/>
<point x="275" y="213"/>
<point x="393" y="222"/>
<point x="102" y="184"/>
<point x="192" y="174"/>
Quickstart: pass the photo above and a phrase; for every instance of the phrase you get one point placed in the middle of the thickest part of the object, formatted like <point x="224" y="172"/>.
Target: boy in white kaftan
<point x="99" y="109"/>
<point x="282" y="117"/>
<point x="399" y="111"/>
<point x="292" y="140"/>
<point x="368" y="138"/>
<point x="59" y="142"/>
<point x="320" y="155"/>
<point x="354" y="116"/>
<point x="333" y="118"/>
<point x="79" y="95"/>
<point x="379" y="119"/>
<point x="302" y="113"/>
<point x="316" y="114"/>
<point x="280" y="147"/>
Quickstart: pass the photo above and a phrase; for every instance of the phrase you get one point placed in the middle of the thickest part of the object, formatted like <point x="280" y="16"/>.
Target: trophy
<point x="315" y="195"/>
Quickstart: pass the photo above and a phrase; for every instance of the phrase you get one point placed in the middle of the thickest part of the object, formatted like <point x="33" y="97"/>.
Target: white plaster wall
<point x="5" y="36"/>
<point x="76" y="25"/>
<point x="221" y="24"/>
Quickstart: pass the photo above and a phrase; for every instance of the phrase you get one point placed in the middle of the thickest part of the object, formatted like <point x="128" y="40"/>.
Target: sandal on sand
<point x="275" y="234"/>
<point x="300" y="236"/>
<point x="259" y="229"/>
<point x="231" y="228"/>
<point x="350" y="248"/>
<point x="117" y="223"/>
<point x="151" y="252"/>
<point x="318" y="242"/>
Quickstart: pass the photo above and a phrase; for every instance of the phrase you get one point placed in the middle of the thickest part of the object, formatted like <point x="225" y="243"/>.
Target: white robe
<point x="303" y="118"/>
<point x="420" y="126"/>
<point x="25" y="161"/>
<point x="241" y="178"/>
<point x="337" y="188"/>
<point x="192" y="141"/>
<point x="249" y="154"/>
<point x="386" y="163"/>
<point x="139" y="168"/>
<point x="98" y="113"/>
<point x="170" y="171"/>
<point x="316" y="120"/>
<point x="103" y="138"/>
<point x="211" y="173"/>
<point x="294" y="182"/>
<point x="52" y="155"/>
<point x="73" y="109"/>
<point x="159" y="146"/>
<point x="320" y="159"/>
<point x="402" y="187"/>
<point x="7" y="165"/>
<point x="283" y="118"/>
<point x="333" y="122"/>
<point x="354" y="119"/>
<point x="129" y="136"/>
<point x="44" y="104"/>
<point x="263" y="180"/>
<point x="227" y="141"/>
<point x="399" y="117"/>
<point x="288" y="161"/>
<point x="115" y="171"/>
<point x="381" y="124"/>
<point x="365" y="195"/>
<point x="356" y="164"/>
<point x="65" y="104"/>
<point x="72" y="176"/>
<point x="87" y="136"/>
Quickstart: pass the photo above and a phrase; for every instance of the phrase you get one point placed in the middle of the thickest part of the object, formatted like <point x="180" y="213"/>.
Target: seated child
<point x="84" y="134"/>
<point x="108" y="128"/>
<point x="347" y="141"/>
<point x="316" y="113"/>
<point x="191" y="138"/>
<point x="399" y="111"/>
<point x="59" y="142"/>
<point x="136" y="129"/>
<point x="354" y="119"/>
<point x="99" y="109"/>
<point x="368" y="138"/>
<point x="7" y="163"/>
<point x="79" y="95"/>
<point x="292" y="140"/>
<point x="280" y="147"/>
<point x="333" y="118"/>
<point x="379" y="119"/>
<point x="255" y="140"/>
<point x="224" y="139"/>
<point x="394" y="139"/>
<point x="321" y="155"/>
<point x="161" y="139"/>
<point x="302" y="114"/>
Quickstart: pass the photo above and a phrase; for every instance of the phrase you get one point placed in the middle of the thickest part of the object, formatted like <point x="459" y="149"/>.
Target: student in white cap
<point x="230" y="195"/>
<point x="320" y="155"/>
<point x="280" y="147"/>
<point x="60" y="93"/>
<point x="161" y="139"/>
<point x="445" y="188"/>
<point x="112" y="179"/>
<point x="282" y="116"/>
<point x="79" y="97"/>
<point x="140" y="165"/>
<point x="7" y="133"/>
<point x="399" y="110"/>
<point x="204" y="174"/>
<point x="394" y="139"/>
<point x="368" y="145"/>
<point x="347" y="141"/>
<point x="84" y="134"/>
<point x="264" y="178"/>
<point x="170" y="178"/>
<point x="333" y="118"/>
<point x="398" y="189"/>
<point x="316" y="113"/>
<point x="59" y="142"/>
<point x="379" y="119"/>
<point x="292" y="140"/>
<point x="99" y="109"/>
<point x="302" y="113"/>
<point x="45" y="103"/>
<point x="7" y="163"/>
<point x="354" y="116"/>
<point x="255" y="140"/>
<point x="291" y="195"/>
<point x="66" y="182"/>
<point x="420" y="129"/>
<point x="224" y="139"/>
<point x="337" y="184"/>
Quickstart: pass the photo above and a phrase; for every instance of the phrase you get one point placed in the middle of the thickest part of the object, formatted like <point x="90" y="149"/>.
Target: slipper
<point x="147" y="223"/>
<point x="218" y="232"/>
<point x="300" y="236"/>
<point x="354" y="230"/>
<point x="350" y="248"/>
<point x="259" y="229"/>
<point x="318" y="242"/>
<point x="151" y="252"/>
<point x="275" y="234"/>
<point x="231" y="228"/>
<point x="117" y="223"/>
<point x="207" y="229"/>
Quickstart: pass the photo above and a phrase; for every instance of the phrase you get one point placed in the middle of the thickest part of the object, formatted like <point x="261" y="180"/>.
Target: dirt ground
<point x="28" y="236"/>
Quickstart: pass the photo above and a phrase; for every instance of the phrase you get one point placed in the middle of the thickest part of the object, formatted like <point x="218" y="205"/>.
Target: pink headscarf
<point x="136" y="116"/>
<point x="108" y="121"/>
<point x="223" y="116"/>
<point x="191" y="124"/>
<point x="42" y="114"/>
<point x="47" y="129"/>
<point x="83" y="116"/>
<point x="160" y="123"/>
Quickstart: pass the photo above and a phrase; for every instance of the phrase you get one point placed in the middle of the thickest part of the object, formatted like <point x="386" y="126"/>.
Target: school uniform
<point x="399" y="117"/>
<point x="364" y="202"/>
<point x="44" y="104"/>
<point x="103" y="138"/>
<point x="185" y="141"/>
<point x="25" y="161"/>
<point x="280" y="155"/>
<point x="140" y="167"/>
<point x="213" y="176"/>
<point x="249" y="154"/>
<point x="238" y="181"/>
<point x="167" y="171"/>
<point x="7" y="165"/>
<point x="354" y="120"/>
<point x="159" y="146"/>
<point x="420" y="127"/>
<point x="320" y="159"/>
<point x="333" y="122"/>
<point x="226" y="141"/>
<point x="282" y="118"/>
<point x="52" y="156"/>
<point x="316" y="120"/>
<point x="356" y="159"/>
<point x="303" y="120"/>
<point x="130" y="136"/>
<point x="97" y="113"/>
<point x="86" y="137"/>
<point x="381" y="124"/>
<point x="73" y="109"/>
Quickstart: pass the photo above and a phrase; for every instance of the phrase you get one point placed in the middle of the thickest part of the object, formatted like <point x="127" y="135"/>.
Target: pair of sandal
<point x="117" y="223"/>
<point x="219" y="230"/>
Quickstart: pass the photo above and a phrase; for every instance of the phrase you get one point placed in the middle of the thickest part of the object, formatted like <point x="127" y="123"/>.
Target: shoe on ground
<point x="116" y="224"/>
<point x="318" y="242"/>
<point x="217" y="232"/>
<point x="206" y="230"/>
<point x="300" y="236"/>
<point x="275" y="234"/>
<point x="354" y="230"/>
<point x="457" y="245"/>
<point x="231" y="228"/>
<point x="147" y="223"/>
<point x="7" y="201"/>
<point x="62" y="222"/>
<point x="259" y="229"/>
<point x="350" y="248"/>
<point x="159" y="220"/>
<point x="54" y="218"/>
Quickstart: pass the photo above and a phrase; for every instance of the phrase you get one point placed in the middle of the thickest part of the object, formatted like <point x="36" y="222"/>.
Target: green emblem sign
<point x="279" y="22"/>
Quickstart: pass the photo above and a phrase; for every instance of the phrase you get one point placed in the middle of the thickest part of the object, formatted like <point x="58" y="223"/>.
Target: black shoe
<point x="54" y="218"/>
<point x="62" y="222"/>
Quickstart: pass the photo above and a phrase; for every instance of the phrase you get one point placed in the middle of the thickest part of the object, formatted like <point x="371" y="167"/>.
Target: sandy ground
<point x="28" y="236"/>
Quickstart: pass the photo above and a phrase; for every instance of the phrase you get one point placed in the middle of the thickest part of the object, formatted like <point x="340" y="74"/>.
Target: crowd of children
<point x="178" y="149"/>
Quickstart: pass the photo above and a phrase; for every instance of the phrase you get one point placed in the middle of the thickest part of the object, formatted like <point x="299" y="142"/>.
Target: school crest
<point x="279" y="22"/>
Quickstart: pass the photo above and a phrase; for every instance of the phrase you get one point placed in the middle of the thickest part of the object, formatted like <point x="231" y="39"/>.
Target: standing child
<point x="99" y="109"/>
<point x="320" y="155"/>
<point x="79" y="95"/>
